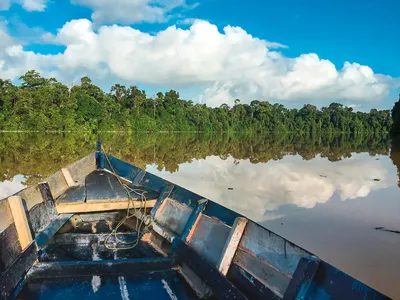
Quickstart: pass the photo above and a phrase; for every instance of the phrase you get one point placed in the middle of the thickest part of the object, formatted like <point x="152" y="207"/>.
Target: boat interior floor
<point x="79" y="261"/>
<point x="80" y="264"/>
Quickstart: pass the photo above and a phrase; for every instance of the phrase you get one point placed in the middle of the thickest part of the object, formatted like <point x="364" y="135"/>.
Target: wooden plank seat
<point x="102" y="191"/>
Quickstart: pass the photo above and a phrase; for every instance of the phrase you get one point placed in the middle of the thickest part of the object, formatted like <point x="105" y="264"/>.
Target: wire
<point x="145" y="219"/>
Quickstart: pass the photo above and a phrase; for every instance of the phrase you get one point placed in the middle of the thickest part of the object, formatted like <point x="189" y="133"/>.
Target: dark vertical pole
<point x="99" y="156"/>
<point x="98" y="146"/>
<point x="48" y="200"/>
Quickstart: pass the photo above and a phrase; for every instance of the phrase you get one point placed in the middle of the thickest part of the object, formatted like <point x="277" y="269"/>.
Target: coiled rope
<point x="145" y="219"/>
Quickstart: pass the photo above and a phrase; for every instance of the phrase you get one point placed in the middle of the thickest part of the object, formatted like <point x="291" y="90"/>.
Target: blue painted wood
<point x="139" y="177"/>
<point x="164" y="194"/>
<point x="99" y="267"/>
<point x="154" y="182"/>
<point x="13" y="275"/>
<point x="185" y="196"/>
<point x="98" y="146"/>
<point x="121" y="167"/>
<point x="272" y="249"/>
<point x="249" y="285"/>
<point x="302" y="277"/>
<point x="222" y="213"/>
<point x="218" y="283"/>
<point x="141" y="285"/>
<point x="201" y="205"/>
<point x="99" y="160"/>
<point x="331" y="283"/>
<point x="47" y="234"/>
<point x="135" y="174"/>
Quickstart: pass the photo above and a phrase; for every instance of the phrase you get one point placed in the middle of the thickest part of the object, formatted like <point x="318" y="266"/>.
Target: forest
<point x="42" y="104"/>
<point x="168" y="151"/>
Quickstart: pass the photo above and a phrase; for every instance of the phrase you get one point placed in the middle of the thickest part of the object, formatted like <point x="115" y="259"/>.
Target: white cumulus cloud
<point x="29" y="5"/>
<point x="225" y="65"/>
<point x="34" y="5"/>
<point x="5" y="4"/>
<point x="130" y="11"/>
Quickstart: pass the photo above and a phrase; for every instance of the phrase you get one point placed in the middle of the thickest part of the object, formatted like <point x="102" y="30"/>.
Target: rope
<point x="145" y="219"/>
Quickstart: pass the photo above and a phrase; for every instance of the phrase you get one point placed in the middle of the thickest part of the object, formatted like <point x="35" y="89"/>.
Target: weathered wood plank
<point x="231" y="244"/>
<point x="215" y="210"/>
<point x="302" y="278"/>
<point x="87" y="239"/>
<point x="101" y="185"/>
<point x="73" y="195"/>
<point x="194" y="281"/>
<point x="269" y="246"/>
<point x="81" y="168"/>
<point x="31" y="195"/>
<point x="46" y="235"/>
<point x="164" y="194"/>
<point x="250" y="285"/>
<point x="173" y="216"/>
<point x="39" y="218"/>
<point x="193" y="220"/>
<point x="164" y="232"/>
<point x="45" y="191"/>
<point x="68" y="177"/>
<point x="105" y="205"/>
<point x="10" y="278"/>
<point x="9" y="247"/>
<point x="57" y="184"/>
<point x="5" y="214"/>
<point x="43" y="213"/>
<point x="99" y="267"/>
<point x="269" y="275"/>
<point x="217" y="282"/>
<point x="185" y="196"/>
<point x="209" y="238"/>
<point x="20" y="220"/>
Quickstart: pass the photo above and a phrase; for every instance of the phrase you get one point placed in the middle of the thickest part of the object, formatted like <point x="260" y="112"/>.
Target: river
<point x="324" y="193"/>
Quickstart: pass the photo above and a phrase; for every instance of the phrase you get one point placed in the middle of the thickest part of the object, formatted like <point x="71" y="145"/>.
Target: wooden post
<point x="232" y="244"/>
<point x="194" y="219"/>
<point x="20" y="221"/>
<point x="48" y="200"/>
<point x="68" y="177"/>
<point x="44" y="189"/>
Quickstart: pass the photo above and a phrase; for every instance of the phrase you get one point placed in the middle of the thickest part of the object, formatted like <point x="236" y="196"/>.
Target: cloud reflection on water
<point x="260" y="190"/>
<point x="8" y="187"/>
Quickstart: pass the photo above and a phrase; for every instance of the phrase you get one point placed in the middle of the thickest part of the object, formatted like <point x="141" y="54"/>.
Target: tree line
<point x="42" y="104"/>
<point x="38" y="155"/>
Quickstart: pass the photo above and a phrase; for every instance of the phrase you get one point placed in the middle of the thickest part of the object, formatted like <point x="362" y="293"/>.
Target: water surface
<point x="324" y="193"/>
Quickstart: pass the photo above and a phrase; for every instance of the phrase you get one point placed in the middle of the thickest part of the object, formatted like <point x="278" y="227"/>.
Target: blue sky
<point x="312" y="42"/>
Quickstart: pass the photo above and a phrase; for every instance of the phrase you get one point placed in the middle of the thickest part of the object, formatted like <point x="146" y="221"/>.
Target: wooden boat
<point x="104" y="228"/>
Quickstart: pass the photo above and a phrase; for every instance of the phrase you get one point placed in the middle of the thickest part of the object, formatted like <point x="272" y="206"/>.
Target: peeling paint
<point x="94" y="229"/>
<point x="96" y="282"/>
<point x="123" y="288"/>
<point x="169" y="291"/>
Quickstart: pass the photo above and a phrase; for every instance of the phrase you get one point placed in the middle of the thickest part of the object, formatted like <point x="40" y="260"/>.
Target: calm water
<point x="326" y="194"/>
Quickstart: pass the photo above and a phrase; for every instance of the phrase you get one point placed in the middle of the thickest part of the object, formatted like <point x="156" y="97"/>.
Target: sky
<point x="212" y="51"/>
